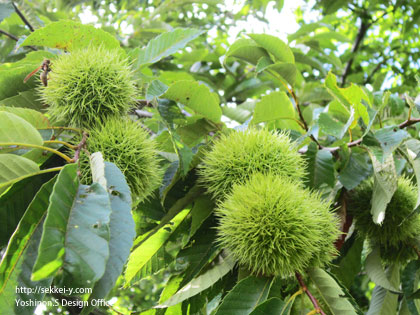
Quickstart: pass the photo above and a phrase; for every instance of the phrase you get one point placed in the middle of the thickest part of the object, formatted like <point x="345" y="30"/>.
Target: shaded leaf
<point x="247" y="49"/>
<point x="356" y="170"/>
<point x="271" y="306"/>
<point x="374" y="270"/>
<point x="14" y="202"/>
<point x="121" y="229"/>
<point x="320" y="167"/>
<point x="25" y="230"/>
<point x="384" y="186"/>
<point x="274" y="46"/>
<point x="76" y="231"/>
<point x="14" y="168"/>
<point x="383" y="301"/>
<point x="331" y="292"/>
<point x="245" y="296"/>
<point x="143" y="253"/>
<point x="201" y="283"/>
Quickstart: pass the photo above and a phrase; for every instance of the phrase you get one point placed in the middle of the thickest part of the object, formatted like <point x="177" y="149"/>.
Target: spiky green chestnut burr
<point x="395" y="236"/>
<point x="274" y="227"/>
<point x="89" y="85"/>
<point x="125" y="143"/>
<point x="238" y="155"/>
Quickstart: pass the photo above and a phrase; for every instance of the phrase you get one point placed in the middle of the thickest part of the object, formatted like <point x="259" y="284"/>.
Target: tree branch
<point x="22" y="17"/>
<point x="9" y="35"/>
<point x="79" y="147"/>
<point x="377" y="68"/>
<point x="359" y="38"/>
<point x="309" y="294"/>
<point x="405" y="124"/>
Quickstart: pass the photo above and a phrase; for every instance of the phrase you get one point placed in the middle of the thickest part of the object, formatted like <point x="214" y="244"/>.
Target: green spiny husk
<point x="89" y="85"/>
<point x="396" y="235"/>
<point x="238" y="155"/>
<point x="124" y="142"/>
<point x="272" y="226"/>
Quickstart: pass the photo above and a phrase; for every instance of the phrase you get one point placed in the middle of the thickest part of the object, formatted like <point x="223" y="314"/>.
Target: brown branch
<point x="9" y="35"/>
<point x="79" y="147"/>
<point x="408" y="123"/>
<point x="405" y="124"/>
<point x="377" y="68"/>
<point x="22" y="17"/>
<point x="302" y="119"/>
<point x="309" y="294"/>
<point x="359" y="38"/>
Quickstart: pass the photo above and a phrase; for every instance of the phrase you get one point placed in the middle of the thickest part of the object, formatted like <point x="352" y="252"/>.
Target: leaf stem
<point x="73" y="147"/>
<point x="309" y="294"/>
<point x="23" y="18"/>
<point x="14" y="180"/>
<point x="26" y="145"/>
<point x="62" y="128"/>
<point x="304" y="125"/>
<point x="79" y="147"/>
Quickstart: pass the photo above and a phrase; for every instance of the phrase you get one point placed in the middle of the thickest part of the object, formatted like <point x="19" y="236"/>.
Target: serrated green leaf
<point x="70" y="35"/>
<point x="320" y="167"/>
<point x="196" y="96"/>
<point x="34" y="215"/>
<point x="201" y="283"/>
<point x="14" y="129"/>
<point x="331" y="293"/>
<point x="356" y="170"/>
<point x="155" y="90"/>
<point x="384" y="186"/>
<point x="166" y="44"/>
<point x="271" y="306"/>
<point x="142" y="254"/>
<point x="245" y="296"/>
<point x="197" y="256"/>
<point x="287" y="71"/>
<point x="383" y="301"/>
<point x="273" y="106"/>
<point x="350" y="262"/>
<point x="35" y="118"/>
<point x="6" y="9"/>
<point x="374" y="270"/>
<point x="14" y="168"/>
<point x="21" y="278"/>
<point x="350" y="97"/>
<point x="390" y="138"/>
<point x="409" y="283"/>
<point x="121" y="229"/>
<point x="76" y="231"/>
<point x="247" y="49"/>
<point x="413" y="154"/>
<point x="14" y="202"/>
<point x="26" y="99"/>
<point x="274" y="46"/>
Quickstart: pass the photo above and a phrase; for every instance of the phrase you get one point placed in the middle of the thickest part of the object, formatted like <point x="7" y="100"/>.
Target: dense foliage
<point x="156" y="165"/>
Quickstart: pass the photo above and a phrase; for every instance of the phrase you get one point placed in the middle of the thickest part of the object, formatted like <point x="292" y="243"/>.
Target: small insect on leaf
<point x="45" y="67"/>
